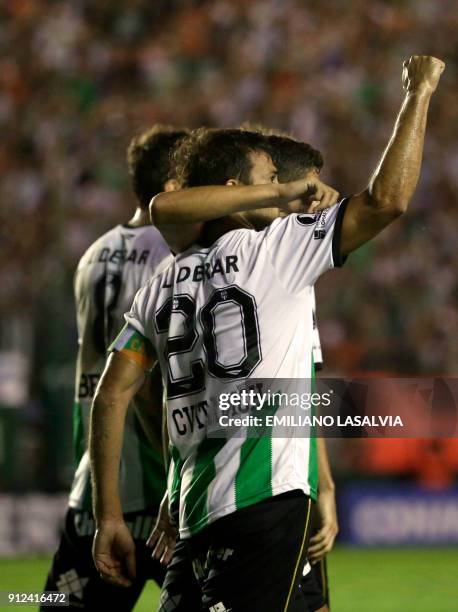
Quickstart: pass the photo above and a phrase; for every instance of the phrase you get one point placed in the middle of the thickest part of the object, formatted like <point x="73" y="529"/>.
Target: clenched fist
<point x="422" y="73"/>
<point x="113" y="551"/>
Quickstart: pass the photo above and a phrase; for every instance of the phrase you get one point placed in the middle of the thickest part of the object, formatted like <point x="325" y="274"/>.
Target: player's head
<point x="224" y="157"/>
<point x="293" y="159"/>
<point x="149" y="161"/>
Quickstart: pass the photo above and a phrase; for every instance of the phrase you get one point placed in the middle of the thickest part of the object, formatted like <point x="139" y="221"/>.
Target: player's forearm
<point x="325" y="479"/>
<point x="105" y="445"/>
<point x="395" y="179"/>
<point x="200" y="204"/>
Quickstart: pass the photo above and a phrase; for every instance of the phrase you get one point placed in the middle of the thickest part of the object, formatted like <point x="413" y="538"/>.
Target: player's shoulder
<point x="146" y="236"/>
<point x="159" y="284"/>
<point x="103" y="242"/>
<point x="146" y="240"/>
<point x="314" y="223"/>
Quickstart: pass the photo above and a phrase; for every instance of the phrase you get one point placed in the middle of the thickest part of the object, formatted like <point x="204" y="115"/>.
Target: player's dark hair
<point x="213" y="156"/>
<point x="293" y="158"/>
<point x="149" y="160"/>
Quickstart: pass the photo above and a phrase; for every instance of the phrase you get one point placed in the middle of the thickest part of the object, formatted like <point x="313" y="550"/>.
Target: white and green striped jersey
<point x="107" y="278"/>
<point x="218" y="317"/>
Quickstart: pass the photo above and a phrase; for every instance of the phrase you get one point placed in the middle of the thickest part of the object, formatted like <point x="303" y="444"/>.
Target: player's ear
<point x="232" y="182"/>
<point x="171" y="185"/>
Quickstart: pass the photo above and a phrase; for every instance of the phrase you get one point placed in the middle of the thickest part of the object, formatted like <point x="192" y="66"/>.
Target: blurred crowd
<point x="80" y="77"/>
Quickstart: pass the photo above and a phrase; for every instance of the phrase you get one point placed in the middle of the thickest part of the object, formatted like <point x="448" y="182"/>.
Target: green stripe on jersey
<point x="196" y="501"/>
<point x="253" y="481"/>
<point x="78" y="433"/>
<point x="313" y="451"/>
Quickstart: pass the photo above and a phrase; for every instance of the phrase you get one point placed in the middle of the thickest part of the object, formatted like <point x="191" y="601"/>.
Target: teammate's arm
<point x="189" y="208"/>
<point x="149" y="410"/>
<point x="113" y="549"/>
<point x="395" y="178"/>
<point x="322" y="542"/>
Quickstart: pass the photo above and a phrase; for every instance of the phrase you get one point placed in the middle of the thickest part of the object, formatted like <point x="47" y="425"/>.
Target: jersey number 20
<point x="184" y="305"/>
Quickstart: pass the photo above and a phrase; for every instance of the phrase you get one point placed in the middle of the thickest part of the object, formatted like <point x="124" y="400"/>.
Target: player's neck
<point x="140" y="218"/>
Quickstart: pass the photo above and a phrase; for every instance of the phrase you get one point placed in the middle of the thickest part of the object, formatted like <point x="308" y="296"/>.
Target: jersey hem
<point x="213" y="516"/>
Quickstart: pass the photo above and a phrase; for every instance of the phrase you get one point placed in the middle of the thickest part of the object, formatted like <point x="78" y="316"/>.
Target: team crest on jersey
<point x="307" y="219"/>
<point x="318" y="220"/>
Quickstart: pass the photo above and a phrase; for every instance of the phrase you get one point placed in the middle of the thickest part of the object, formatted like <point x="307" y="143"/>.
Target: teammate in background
<point x="107" y="278"/>
<point x="294" y="160"/>
<point x="244" y="503"/>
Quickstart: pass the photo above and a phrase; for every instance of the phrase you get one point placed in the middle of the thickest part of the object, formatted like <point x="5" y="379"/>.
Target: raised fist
<point x="422" y="73"/>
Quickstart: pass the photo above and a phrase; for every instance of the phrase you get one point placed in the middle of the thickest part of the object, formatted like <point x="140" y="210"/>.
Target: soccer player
<point x="226" y="313"/>
<point x="107" y="278"/>
<point x="293" y="160"/>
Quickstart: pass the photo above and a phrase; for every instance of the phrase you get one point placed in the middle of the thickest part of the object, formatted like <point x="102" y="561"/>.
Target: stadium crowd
<point x="86" y="75"/>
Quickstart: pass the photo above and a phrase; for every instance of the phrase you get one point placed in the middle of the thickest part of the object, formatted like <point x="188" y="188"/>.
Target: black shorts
<point x="181" y="592"/>
<point x="73" y="570"/>
<point x="314" y="584"/>
<point x="249" y="560"/>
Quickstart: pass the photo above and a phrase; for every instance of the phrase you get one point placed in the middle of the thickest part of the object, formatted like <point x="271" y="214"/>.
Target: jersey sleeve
<point x="301" y="247"/>
<point x="133" y="340"/>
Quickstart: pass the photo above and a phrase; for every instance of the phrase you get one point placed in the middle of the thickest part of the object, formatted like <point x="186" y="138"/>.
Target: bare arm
<point x="325" y="479"/>
<point x="322" y="542"/>
<point x="121" y="380"/>
<point x="180" y="215"/>
<point x="395" y="178"/>
<point x="113" y="548"/>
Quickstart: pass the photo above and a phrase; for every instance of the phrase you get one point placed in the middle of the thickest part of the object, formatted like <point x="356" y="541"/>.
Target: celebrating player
<point x="108" y="276"/>
<point x="228" y="312"/>
<point x="293" y="160"/>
